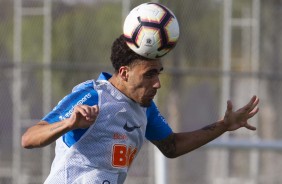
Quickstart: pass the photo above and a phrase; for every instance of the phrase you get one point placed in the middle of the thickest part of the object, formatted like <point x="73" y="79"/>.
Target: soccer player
<point x="100" y="127"/>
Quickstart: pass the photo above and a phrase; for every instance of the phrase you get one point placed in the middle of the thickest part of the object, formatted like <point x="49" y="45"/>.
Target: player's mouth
<point x="151" y="96"/>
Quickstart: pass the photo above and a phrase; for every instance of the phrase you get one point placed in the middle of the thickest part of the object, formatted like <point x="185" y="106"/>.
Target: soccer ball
<point x="151" y="30"/>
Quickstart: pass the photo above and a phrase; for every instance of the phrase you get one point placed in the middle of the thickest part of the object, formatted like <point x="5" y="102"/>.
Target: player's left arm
<point x="177" y="144"/>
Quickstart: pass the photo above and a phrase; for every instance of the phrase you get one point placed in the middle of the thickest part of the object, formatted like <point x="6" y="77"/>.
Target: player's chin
<point x="146" y="103"/>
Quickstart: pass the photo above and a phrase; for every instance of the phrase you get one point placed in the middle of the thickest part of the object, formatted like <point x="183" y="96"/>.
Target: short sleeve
<point x="157" y="127"/>
<point x="81" y="94"/>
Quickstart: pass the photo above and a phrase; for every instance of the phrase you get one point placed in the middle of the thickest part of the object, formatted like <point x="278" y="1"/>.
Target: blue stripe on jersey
<point x="157" y="127"/>
<point x="83" y="93"/>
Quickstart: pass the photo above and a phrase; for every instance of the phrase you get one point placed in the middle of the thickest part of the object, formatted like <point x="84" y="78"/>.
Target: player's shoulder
<point x="85" y="91"/>
<point x="152" y="111"/>
<point x="87" y="85"/>
<point x="152" y="107"/>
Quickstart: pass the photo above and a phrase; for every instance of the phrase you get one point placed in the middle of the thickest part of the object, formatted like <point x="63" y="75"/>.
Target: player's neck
<point x="115" y="81"/>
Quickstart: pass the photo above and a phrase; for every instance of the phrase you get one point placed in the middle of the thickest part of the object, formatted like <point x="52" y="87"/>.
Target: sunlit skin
<point x="139" y="81"/>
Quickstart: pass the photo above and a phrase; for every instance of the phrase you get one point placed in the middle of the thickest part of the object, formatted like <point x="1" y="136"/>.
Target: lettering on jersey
<point x="163" y="119"/>
<point x="160" y="115"/>
<point x="81" y="101"/>
<point x="123" y="155"/>
<point x="120" y="136"/>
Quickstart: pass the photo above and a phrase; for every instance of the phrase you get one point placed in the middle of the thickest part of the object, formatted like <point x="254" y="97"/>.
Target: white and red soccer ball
<point x="151" y="30"/>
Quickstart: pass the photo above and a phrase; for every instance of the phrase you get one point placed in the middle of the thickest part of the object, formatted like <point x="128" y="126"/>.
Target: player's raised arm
<point x="180" y="143"/>
<point x="43" y="133"/>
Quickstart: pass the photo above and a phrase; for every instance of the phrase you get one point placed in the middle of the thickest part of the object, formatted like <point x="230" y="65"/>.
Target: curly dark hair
<point x="122" y="55"/>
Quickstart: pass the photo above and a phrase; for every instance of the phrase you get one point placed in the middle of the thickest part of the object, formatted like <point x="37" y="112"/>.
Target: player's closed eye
<point x="152" y="73"/>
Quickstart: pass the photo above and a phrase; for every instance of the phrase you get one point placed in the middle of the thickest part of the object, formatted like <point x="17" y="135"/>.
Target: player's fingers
<point x="251" y="103"/>
<point x="88" y="112"/>
<point x="83" y="110"/>
<point x="254" y="112"/>
<point x="229" y="106"/>
<point x="254" y="105"/>
<point x="79" y="110"/>
<point x="94" y="110"/>
<point x="250" y="127"/>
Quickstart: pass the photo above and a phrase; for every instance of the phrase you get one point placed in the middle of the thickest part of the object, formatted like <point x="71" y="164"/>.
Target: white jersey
<point x="104" y="152"/>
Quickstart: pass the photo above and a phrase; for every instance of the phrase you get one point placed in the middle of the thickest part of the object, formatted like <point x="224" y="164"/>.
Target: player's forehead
<point x="145" y="65"/>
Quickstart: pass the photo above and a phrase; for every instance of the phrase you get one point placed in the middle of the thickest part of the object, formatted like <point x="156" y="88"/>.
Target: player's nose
<point x="157" y="83"/>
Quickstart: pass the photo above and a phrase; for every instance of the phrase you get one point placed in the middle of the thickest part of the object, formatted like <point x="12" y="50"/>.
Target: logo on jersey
<point x="81" y="101"/>
<point x="123" y="155"/>
<point x="130" y="129"/>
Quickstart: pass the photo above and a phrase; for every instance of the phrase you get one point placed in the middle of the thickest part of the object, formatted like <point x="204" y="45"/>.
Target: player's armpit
<point x="167" y="146"/>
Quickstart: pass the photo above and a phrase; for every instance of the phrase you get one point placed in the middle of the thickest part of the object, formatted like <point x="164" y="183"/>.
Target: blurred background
<point x="228" y="49"/>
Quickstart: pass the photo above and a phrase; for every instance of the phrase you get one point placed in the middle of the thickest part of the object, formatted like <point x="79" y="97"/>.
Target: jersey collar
<point x="104" y="76"/>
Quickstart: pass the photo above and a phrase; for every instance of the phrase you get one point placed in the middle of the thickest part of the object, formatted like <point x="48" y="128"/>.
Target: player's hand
<point x="237" y="119"/>
<point x="83" y="116"/>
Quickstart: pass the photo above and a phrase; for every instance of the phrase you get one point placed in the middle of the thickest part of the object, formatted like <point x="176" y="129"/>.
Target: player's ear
<point x="123" y="72"/>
